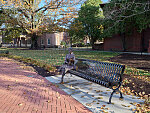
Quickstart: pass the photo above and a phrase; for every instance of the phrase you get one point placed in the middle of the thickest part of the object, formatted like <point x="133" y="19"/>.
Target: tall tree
<point x="36" y="15"/>
<point x="89" y="21"/>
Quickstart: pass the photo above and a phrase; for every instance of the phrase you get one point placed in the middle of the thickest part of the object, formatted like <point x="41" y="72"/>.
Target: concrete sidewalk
<point x="23" y="91"/>
<point x="95" y="97"/>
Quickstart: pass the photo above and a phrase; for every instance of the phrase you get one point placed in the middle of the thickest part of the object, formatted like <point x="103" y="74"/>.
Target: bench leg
<point x="120" y="94"/>
<point x="111" y="96"/>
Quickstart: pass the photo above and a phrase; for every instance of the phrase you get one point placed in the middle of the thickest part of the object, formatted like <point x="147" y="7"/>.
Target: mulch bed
<point x="136" y="83"/>
<point x="133" y="60"/>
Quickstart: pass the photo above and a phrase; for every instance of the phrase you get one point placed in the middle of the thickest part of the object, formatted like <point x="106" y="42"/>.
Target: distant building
<point x="53" y="39"/>
<point x="45" y="40"/>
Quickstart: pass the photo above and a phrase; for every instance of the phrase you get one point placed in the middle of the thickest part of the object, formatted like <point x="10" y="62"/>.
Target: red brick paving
<point x="20" y="93"/>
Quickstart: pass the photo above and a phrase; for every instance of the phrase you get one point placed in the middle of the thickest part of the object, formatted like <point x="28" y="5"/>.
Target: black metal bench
<point x="103" y="73"/>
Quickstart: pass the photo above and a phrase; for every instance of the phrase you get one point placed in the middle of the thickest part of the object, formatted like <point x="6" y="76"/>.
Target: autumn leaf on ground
<point x="97" y="91"/>
<point x="58" y="97"/>
<point x="108" y="90"/>
<point x="99" y="98"/>
<point x="90" y="88"/>
<point x="88" y="104"/>
<point x="48" y="101"/>
<point x="24" y="93"/>
<point x="100" y="94"/>
<point x="104" y="105"/>
<point x="20" y="104"/>
<point x="34" y="109"/>
<point x="82" y="96"/>
<point x="94" y="101"/>
<point x="125" y="105"/>
<point x="45" y="90"/>
<point x="121" y="99"/>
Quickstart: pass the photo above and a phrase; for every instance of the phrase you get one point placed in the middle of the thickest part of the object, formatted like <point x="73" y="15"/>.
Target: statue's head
<point x="70" y="50"/>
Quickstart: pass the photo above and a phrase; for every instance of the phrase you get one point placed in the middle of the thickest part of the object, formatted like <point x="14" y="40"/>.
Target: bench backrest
<point x="104" y="71"/>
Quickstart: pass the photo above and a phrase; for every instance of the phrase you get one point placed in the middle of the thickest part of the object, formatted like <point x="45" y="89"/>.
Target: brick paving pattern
<point x="23" y="91"/>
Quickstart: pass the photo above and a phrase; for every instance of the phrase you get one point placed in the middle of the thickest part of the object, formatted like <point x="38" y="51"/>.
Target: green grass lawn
<point x="54" y="57"/>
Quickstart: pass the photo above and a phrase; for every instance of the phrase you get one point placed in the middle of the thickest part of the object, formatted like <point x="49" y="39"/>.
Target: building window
<point x="42" y="42"/>
<point x="48" y="41"/>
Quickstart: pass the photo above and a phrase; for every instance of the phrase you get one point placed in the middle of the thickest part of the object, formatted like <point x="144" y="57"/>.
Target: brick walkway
<point x="23" y="91"/>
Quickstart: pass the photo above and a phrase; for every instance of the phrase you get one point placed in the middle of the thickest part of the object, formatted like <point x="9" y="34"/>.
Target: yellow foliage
<point x="51" y="3"/>
<point x="3" y="2"/>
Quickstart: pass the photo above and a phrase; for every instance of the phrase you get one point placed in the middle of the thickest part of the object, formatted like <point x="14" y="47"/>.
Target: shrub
<point x="4" y="52"/>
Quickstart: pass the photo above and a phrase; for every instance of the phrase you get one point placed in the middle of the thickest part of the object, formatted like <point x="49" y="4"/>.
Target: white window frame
<point x="42" y="42"/>
<point x="49" y="41"/>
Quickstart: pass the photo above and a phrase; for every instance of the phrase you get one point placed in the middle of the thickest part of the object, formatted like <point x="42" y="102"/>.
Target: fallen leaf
<point x="48" y="101"/>
<point x="123" y="105"/>
<point x="103" y="105"/>
<point x="34" y="109"/>
<point x="108" y="90"/>
<point x="90" y="88"/>
<point x="24" y="93"/>
<point x="97" y="91"/>
<point x="58" y="97"/>
<point x="129" y="106"/>
<point x="107" y="108"/>
<point x="138" y="105"/>
<point x="45" y="90"/>
<point x="88" y="104"/>
<point x="121" y="99"/>
<point x="99" y="98"/>
<point x="100" y="95"/>
<point x="20" y="104"/>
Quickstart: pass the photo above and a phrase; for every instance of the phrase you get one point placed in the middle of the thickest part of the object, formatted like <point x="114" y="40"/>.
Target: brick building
<point x="138" y="42"/>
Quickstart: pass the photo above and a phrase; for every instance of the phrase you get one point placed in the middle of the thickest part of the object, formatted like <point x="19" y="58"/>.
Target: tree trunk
<point x="123" y="41"/>
<point x="20" y="41"/>
<point x="92" y="43"/>
<point x="142" y="42"/>
<point x="34" y="42"/>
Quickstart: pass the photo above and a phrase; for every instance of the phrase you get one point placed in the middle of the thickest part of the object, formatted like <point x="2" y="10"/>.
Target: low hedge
<point x="4" y="52"/>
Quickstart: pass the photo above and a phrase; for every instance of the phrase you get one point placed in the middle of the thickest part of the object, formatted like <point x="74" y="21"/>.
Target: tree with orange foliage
<point x="37" y="16"/>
